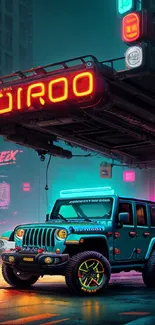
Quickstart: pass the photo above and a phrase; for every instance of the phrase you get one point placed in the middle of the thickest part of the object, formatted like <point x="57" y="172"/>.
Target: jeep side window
<point x="141" y="215"/>
<point x="152" y="214"/>
<point x="126" y="207"/>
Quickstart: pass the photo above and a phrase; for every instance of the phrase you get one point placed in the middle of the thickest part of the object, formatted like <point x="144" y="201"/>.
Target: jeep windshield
<point x="86" y="209"/>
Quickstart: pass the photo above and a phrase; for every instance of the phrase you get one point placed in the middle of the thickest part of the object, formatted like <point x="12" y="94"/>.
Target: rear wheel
<point x="148" y="272"/>
<point x="17" y="279"/>
<point x="88" y="272"/>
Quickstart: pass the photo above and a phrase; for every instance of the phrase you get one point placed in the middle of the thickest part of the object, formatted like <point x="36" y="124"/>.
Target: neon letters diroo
<point x="47" y="91"/>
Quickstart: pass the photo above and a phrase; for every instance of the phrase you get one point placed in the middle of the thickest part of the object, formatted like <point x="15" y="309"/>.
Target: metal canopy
<point x="122" y="127"/>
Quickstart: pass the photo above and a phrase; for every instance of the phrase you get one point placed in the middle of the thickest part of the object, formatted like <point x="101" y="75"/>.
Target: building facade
<point x="16" y="29"/>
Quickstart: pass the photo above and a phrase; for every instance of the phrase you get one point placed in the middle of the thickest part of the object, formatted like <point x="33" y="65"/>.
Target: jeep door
<point x="125" y="234"/>
<point x="142" y="228"/>
<point x="151" y="207"/>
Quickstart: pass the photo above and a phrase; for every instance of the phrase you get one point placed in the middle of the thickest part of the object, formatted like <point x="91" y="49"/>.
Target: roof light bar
<point x="94" y="191"/>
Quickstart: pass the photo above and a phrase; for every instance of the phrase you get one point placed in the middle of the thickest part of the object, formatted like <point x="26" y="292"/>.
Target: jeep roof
<point x="106" y="196"/>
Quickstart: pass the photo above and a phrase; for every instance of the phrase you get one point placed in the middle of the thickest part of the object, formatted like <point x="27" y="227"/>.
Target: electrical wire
<point x="88" y="155"/>
<point x="46" y="186"/>
<point x="39" y="194"/>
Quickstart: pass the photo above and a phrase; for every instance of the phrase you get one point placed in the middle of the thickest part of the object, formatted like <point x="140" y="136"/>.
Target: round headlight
<point x="48" y="260"/>
<point x="20" y="233"/>
<point x="11" y="259"/>
<point x="61" y="234"/>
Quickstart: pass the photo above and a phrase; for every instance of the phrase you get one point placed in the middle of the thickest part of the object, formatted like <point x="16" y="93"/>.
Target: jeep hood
<point x="70" y="225"/>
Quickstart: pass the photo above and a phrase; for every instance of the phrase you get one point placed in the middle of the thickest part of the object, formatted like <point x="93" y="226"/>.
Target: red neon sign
<point x="129" y="176"/>
<point x="8" y="157"/>
<point x="26" y="187"/>
<point x="131" y="27"/>
<point x="48" y="91"/>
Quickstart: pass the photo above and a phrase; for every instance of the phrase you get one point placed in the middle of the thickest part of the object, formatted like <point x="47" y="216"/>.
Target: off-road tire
<point x="71" y="274"/>
<point x="148" y="273"/>
<point x="13" y="280"/>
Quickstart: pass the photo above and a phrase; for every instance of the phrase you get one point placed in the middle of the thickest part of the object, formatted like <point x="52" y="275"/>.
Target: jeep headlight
<point x="19" y="233"/>
<point x="61" y="234"/>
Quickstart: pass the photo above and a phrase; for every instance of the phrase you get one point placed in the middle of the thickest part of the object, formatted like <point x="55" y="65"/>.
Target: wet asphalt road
<point x="126" y="300"/>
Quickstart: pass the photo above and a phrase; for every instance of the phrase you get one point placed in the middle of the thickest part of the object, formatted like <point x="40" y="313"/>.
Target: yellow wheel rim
<point x="91" y="275"/>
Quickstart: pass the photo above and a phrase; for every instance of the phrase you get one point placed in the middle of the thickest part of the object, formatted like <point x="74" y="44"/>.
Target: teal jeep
<point x="85" y="238"/>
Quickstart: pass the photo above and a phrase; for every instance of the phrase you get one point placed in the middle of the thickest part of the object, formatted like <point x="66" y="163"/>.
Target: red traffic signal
<point x="131" y="27"/>
<point x="137" y="26"/>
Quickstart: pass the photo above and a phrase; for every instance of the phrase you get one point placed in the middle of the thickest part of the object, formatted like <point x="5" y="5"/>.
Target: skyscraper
<point x="16" y="52"/>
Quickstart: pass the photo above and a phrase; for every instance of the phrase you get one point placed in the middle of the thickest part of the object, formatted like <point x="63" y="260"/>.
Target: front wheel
<point x="17" y="279"/>
<point x="88" y="272"/>
<point x="148" y="272"/>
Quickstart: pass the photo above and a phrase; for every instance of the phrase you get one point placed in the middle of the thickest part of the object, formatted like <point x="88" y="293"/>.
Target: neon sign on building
<point x="47" y="91"/>
<point x="129" y="176"/>
<point x="26" y="187"/>
<point x="4" y="195"/>
<point x="8" y="157"/>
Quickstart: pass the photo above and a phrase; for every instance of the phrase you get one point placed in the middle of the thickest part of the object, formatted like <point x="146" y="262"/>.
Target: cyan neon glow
<point x="94" y="191"/>
<point x="124" y="6"/>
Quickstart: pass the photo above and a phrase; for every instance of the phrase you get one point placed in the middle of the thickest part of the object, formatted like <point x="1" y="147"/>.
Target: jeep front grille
<point x="39" y="237"/>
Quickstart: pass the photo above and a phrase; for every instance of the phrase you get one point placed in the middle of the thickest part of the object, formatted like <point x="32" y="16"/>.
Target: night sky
<point x="64" y="29"/>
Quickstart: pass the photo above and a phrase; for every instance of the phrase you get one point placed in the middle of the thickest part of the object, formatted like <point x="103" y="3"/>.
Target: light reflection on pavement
<point x="50" y="302"/>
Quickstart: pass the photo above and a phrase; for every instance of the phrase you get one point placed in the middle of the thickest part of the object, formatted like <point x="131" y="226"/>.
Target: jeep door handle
<point x="133" y="234"/>
<point x="146" y="234"/>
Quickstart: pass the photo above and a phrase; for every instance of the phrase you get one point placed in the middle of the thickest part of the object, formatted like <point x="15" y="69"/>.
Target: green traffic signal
<point x="126" y="6"/>
<point x="123" y="6"/>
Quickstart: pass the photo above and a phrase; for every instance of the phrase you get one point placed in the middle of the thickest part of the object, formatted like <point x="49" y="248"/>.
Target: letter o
<point x="80" y="76"/>
<point x="50" y="92"/>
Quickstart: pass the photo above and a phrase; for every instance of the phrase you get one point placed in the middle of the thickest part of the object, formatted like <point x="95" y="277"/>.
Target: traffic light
<point x="135" y="57"/>
<point x="131" y="27"/>
<point x="138" y="32"/>
<point x="126" y="6"/>
<point x="137" y="27"/>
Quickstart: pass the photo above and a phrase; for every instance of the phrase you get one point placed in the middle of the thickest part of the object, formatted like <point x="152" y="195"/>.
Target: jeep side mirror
<point x="123" y="217"/>
<point x="47" y="217"/>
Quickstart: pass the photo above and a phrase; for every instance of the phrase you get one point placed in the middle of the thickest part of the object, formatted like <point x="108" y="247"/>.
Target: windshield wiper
<point x="62" y="217"/>
<point x="80" y="213"/>
<point x="84" y="217"/>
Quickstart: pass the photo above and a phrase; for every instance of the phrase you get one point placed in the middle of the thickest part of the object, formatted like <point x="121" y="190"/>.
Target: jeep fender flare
<point x="8" y="235"/>
<point x="151" y="245"/>
<point x="71" y="239"/>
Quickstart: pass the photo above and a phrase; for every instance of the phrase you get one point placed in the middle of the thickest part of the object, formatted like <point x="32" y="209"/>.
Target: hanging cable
<point x="87" y="155"/>
<point x="46" y="186"/>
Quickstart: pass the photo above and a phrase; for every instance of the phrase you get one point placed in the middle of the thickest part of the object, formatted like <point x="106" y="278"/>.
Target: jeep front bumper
<point x="36" y="263"/>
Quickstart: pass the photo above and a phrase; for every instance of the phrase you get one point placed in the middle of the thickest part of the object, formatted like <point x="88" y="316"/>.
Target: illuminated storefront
<point x="18" y="186"/>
